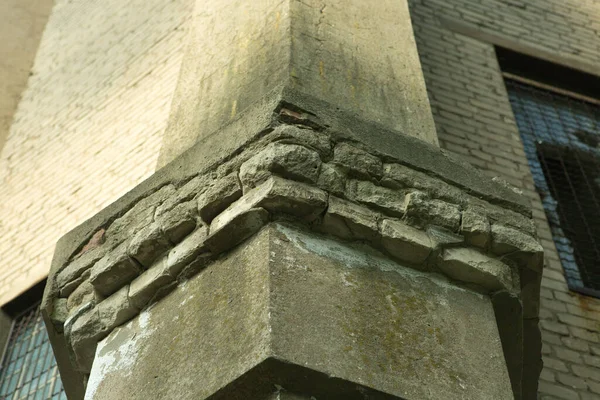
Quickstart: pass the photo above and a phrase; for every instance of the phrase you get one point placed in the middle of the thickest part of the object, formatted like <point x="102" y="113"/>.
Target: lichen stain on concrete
<point x="418" y="338"/>
<point x="233" y="108"/>
<point x="118" y="353"/>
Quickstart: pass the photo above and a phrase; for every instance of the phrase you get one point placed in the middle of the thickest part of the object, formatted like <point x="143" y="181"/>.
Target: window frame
<point x="560" y="81"/>
<point x="10" y="314"/>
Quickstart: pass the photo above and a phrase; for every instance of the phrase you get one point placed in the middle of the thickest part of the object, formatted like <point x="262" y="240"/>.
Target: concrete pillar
<point x="307" y="239"/>
<point x="327" y="58"/>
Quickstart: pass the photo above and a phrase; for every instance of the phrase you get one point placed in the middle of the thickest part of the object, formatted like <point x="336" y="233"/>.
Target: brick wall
<point x="88" y="127"/>
<point x="474" y="119"/>
<point x="23" y="22"/>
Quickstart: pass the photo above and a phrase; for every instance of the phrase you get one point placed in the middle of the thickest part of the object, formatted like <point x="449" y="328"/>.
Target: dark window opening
<point x="574" y="185"/>
<point x="27" y="368"/>
<point x="560" y="130"/>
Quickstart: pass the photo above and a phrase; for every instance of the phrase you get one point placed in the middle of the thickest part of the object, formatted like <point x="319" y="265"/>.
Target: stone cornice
<point x="423" y="208"/>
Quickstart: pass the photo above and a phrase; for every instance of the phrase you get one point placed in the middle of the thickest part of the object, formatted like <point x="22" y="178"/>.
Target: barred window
<point x="28" y="369"/>
<point x="560" y="130"/>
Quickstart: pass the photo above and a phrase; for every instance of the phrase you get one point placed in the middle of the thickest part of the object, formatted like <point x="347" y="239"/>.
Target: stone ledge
<point x="380" y="201"/>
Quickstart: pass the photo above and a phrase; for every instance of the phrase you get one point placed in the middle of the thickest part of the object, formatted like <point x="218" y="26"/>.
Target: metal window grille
<point x="28" y="369"/>
<point x="561" y="137"/>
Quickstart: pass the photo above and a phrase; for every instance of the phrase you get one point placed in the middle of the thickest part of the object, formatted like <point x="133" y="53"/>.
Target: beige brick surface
<point x="21" y="25"/>
<point x="474" y="119"/>
<point x="89" y="125"/>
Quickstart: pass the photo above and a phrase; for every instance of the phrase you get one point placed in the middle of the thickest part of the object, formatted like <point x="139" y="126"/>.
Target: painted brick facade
<point x="88" y="127"/>
<point x="474" y="119"/>
<point x="23" y="22"/>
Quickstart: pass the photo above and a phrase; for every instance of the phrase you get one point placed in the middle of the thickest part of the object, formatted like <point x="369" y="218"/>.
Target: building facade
<point x="90" y="121"/>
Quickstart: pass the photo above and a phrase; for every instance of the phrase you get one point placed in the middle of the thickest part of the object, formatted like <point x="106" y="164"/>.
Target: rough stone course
<point x="405" y="242"/>
<point x="476" y="228"/>
<point x="243" y="225"/>
<point x="178" y="222"/>
<point x="350" y="221"/>
<point x="469" y="265"/>
<point x="117" y="308"/>
<point x="147" y="244"/>
<point x="288" y="160"/>
<point x="332" y="179"/>
<point x="357" y="161"/>
<point x="183" y="232"/>
<point x="387" y="200"/>
<point x="304" y="136"/>
<point x="113" y="271"/>
<point x="184" y="253"/>
<point x="218" y="196"/>
<point x="422" y="211"/>
<point x="84" y="293"/>
<point x="145" y="286"/>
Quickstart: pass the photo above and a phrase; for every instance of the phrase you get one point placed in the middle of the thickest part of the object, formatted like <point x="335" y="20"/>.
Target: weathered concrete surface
<point x="241" y="53"/>
<point x="301" y="308"/>
<point x="337" y="56"/>
<point x="358" y="316"/>
<point x="237" y="54"/>
<point x="204" y="335"/>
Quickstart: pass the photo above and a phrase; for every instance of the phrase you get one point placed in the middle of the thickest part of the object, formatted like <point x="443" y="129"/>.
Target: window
<point x="28" y="369"/>
<point x="560" y="129"/>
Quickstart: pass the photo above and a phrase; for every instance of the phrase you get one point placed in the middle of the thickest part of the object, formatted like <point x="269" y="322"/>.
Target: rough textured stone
<point x="287" y="160"/>
<point x="239" y="228"/>
<point x="350" y="221"/>
<point x="476" y="228"/>
<point x="191" y="189"/>
<point x="145" y="286"/>
<point x="193" y="267"/>
<point x="114" y="271"/>
<point x="69" y="287"/>
<point x="77" y="267"/>
<point x="97" y="240"/>
<point x="390" y="201"/>
<point x="405" y="177"/>
<point x="140" y="215"/>
<point x="405" y="242"/>
<point x="443" y="238"/>
<point x="422" y="211"/>
<point x="186" y="251"/>
<point x="219" y="196"/>
<point x="60" y="313"/>
<point x="503" y="216"/>
<point x="148" y="244"/>
<point x="517" y="245"/>
<point x="303" y="136"/>
<point x="178" y="222"/>
<point x="357" y="161"/>
<point x="471" y="266"/>
<point x="294" y="198"/>
<point x="83" y="336"/>
<point x="279" y="196"/>
<point x="332" y="179"/>
<point x="116" y="309"/>
<point x="84" y="293"/>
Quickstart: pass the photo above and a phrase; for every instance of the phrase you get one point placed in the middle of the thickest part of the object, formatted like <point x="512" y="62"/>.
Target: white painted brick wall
<point x="89" y="125"/>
